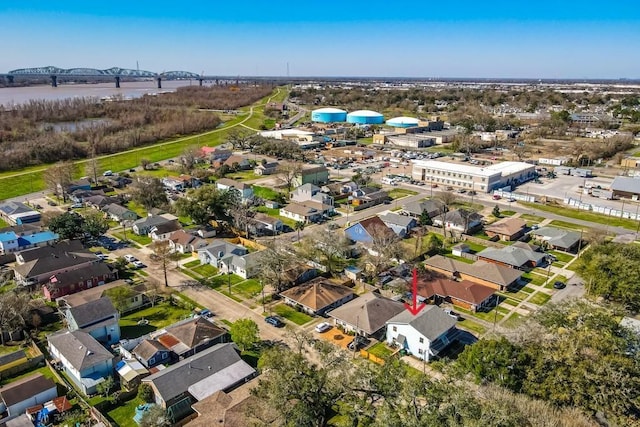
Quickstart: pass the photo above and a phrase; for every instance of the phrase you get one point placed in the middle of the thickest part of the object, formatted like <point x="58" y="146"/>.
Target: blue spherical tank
<point x="328" y="115"/>
<point x="403" y="122"/>
<point x="365" y="117"/>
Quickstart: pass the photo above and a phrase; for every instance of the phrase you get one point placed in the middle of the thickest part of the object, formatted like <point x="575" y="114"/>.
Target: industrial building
<point x="424" y="134"/>
<point x="403" y="122"/>
<point x="478" y="178"/>
<point x="365" y="117"/>
<point x="626" y="187"/>
<point x="328" y="115"/>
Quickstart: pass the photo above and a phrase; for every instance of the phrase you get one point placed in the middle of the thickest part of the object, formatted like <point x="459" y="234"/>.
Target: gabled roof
<point x="220" y="363"/>
<point x="503" y="276"/>
<point x="507" y="226"/>
<point x="93" y="311"/>
<point x="395" y="219"/>
<point x="464" y="290"/>
<point x="460" y="217"/>
<point x="317" y="294"/>
<point x="46" y="259"/>
<point x="417" y="207"/>
<point x="300" y="209"/>
<point x="151" y="221"/>
<point x="558" y="237"/>
<point x="431" y="322"/>
<point x="626" y="184"/>
<point x="512" y="255"/>
<point x="265" y="219"/>
<point x="234" y="158"/>
<point x="147" y="348"/>
<point x="166" y="227"/>
<point x="25" y="388"/>
<point x="13" y="208"/>
<point x="225" y="247"/>
<point x="81" y="274"/>
<point x="232" y="184"/>
<point x="368" y="312"/>
<point x="181" y="237"/>
<point x="117" y="210"/>
<point x="79" y="348"/>
<point x="195" y="331"/>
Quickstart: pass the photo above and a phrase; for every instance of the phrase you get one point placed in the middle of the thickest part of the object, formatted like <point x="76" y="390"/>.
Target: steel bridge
<point x="116" y="73"/>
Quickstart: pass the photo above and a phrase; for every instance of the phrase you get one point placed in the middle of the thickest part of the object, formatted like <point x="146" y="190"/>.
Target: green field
<point x="398" y="193"/>
<point x="472" y="326"/>
<point x="565" y="224"/>
<point x="249" y="288"/>
<point x="267" y="193"/>
<point x="158" y="317"/>
<point x="585" y="215"/>
<point x="533" y="218"/>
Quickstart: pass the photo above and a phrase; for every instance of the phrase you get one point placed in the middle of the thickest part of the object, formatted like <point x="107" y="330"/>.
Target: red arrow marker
<point x="415" y="309"/>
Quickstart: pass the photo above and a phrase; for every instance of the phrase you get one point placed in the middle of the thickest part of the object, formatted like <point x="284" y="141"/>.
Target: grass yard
<point x="291" y="314"/>
<point x="507" y="213"/>
<point x="532" y="218"/>
<point x="565" y="224"/>
<point x="141" y="240"/>
<point x="585" y="215"/>
<point x="243" y="175"/>
<point x="250" y="287"/>
<point x="192" y="264"/>
<point x="472" y="326"/>
<point x="562" y="256"/>
<point x="539" y="298"/>
<point x="273" y="212"/>
<point x="513" y="321"/>
<point x="475" y="247"/>
<point x="398" y="193"/>
<point x="535" y="279"/>
<point x="380" y="350"/>
<point x="124" y="412"/>
<point x="3" y="223"/>
<point x="267" y="193"/>
<point x="459" y="258"/>
<point x="137" y="208"/>
<point x="44" y="370"/>
<point x="205" y="270"/>
<point x="159" y="316"/>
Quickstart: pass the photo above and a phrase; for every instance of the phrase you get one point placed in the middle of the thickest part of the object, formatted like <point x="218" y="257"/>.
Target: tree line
<point x="29" y="135"/>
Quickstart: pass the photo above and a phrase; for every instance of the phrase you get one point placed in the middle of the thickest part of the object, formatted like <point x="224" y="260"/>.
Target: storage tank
<point x="328" y="115"/>
<point x="365" y="117"/>
<point x="403" y="122"/>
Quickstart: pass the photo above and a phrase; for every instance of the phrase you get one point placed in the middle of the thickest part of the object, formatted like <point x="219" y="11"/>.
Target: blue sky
<point x="536" y="39"/>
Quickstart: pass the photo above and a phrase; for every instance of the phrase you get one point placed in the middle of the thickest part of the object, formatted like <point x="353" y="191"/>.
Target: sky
<point x="509" y="39"/>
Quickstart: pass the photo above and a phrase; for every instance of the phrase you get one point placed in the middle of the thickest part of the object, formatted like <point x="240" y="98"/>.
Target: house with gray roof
<point x="366" y="315"/>
<point x="144" y="225"/>
<point x="432" y="207"/>
<point x="119" y="213"/>
<point x="481" y="272"/>
<point x="18" y="213"/>
<point x="459" y="220"/>
<point x="519" y="256"/>
<point x="558" y="238"/>
<point x="85" y="361"/>
<point x="198" y="377"/>
<point x="423" y="335"/>
<point x="310" y="193"/>
<point x="229" y="258"/>
<point x="400" y="224"/>
<point x="99" y="318"/>
<point x="151" y="352"/>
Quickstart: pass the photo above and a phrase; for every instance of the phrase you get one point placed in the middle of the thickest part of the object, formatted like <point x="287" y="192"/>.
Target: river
<point x="19" y="95"/>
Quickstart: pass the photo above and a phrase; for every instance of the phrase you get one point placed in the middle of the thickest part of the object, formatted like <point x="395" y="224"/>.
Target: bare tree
<point x="14" y="309"/>
<point x="149" y="192"/>
<point x="328" y="249"/>
<point x="287" y="174"/>
<point x="58" y="177"/>
<point x="163" y="255"/>
<point x="385" y="246"/>
<point x="93" y="168"/>
<point x="239" y="139"/>
<point x="272" y="261"/>
<point x="189" y="158"/>
<point x="447" y="198"/>
<point x="152" y="291"/>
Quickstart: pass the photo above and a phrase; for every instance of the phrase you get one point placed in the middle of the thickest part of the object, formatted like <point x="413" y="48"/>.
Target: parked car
<point x="559" y="285"/>
<point x="323" y="327"/>
<point x="130" y="258"/>
<point x="357" y="343"/>
<point x="496" y="197"/>
<point x="138" y="264"/>
<point x="51" y="203"/>
<point x="274" y="321"/>
<point x="206" y="313"/>
<point x="451" y="313"/>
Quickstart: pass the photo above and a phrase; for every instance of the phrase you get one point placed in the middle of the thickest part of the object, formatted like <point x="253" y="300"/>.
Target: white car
<point x="130" y="258"/>
<point x="323" y="327"/>
<point x="138" y="264"/>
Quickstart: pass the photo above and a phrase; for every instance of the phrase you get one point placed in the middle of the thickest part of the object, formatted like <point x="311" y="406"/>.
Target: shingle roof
<point x="431" y="322"/>
<point x="166" y="227"/>
<point x="317" y="294"/>
<point x="558" y="237"/>
<point x="25" y="388"/>
<point x="464" y="290"/>
<point x="177" y="379"/>
<point x="300" y="209"/>
<point x="79" y="348"/>
<point x="150" y="221"/>
<point x="417" y="207"/>
<point x="62" y="255"/>
<point x="12" y="208"/>
<point x="507" y="226"/>
<point x="195" y="331"/>
<point x="374" y="224"/>
<point x="147" y="348"/>
<point x="512" y="255"/>
<point x="232" y="183"/>
<point x="368" y="312"/>
<point x="395" y="219"/>
<point x="93" y="311"/>
<point x="181" y="237"/>
<point x="460" y="217"/>
<point x="92" y="294"/>
<point x="503" y="276"/>
<point x="81" y="274"/>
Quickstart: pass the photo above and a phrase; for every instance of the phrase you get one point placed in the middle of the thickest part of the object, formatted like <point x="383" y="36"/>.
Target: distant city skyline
<point x="495" y="39"/>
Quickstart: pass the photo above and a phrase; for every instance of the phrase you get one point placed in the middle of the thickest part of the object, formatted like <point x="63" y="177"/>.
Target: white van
<point x="388" y="181"/>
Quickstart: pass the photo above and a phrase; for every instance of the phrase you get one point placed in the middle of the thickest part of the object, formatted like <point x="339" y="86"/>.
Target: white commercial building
<point x="479" y="178"/>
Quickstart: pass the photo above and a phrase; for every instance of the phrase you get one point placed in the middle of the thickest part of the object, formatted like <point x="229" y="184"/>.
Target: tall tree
<point x="447" y="199"/>
<point x="58" y="177"/>
<point x="206" y="202"/>
<point x="385" y="246"/>
<point x="14" y="309"/>
<point x="93" y="168"/>
<point x="69" y="225"/>
<point x="287" y="173"/>
<point x="120" y="297"/>
<point x="95" y="223"/>
<point x="189" y="158"/>
<point x="328" y="249"/>
<point x="272" y="261"/>
<point x="163" y="255"/>
<point x="149" y="192"/>
<point x="299" y="226"/>
<point x="245" y="333"/>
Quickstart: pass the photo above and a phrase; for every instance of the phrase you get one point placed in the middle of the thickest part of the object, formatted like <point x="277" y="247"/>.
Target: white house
<point x="183" y="242"/>
<point x="301" y="212"/>
<point x="422" y="335"/>
<point x="245" y="191"/>
<point x="309" y="192"/>
<point x="459" y="220"/>
<point x="30" y="391"/>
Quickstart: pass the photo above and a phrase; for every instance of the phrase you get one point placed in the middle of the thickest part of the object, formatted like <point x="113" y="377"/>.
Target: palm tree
<point x="299" y="226"/>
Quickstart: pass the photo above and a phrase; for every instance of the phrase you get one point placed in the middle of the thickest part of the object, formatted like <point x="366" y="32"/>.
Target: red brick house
<point x="465" y="294"/>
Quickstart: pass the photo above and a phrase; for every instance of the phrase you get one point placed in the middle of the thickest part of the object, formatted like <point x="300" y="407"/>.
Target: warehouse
<point x="626" y="187"/>
<point x="483" y="179"/>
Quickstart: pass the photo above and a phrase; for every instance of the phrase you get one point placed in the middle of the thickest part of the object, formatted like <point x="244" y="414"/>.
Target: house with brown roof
<point x="519" y="255"/>
<point x="151" y="353"/>
<point x="189" y="336"/>
<point x="136" y="299"/>
<point x="70" y="282"/>
<point x="245" y="191"/>
<point x="262" y="224"/>
<point x="164" y="230"/>
<point x="183" y="242"/>
<point x="481" y="272"/>
<point x="317" y="296"/>
<point x="507" y="229"/>
<point x="464" y="293"/>
<point x="367" y="314"/>
<point x="365" y="230"/>
<point x="237" y="162"/>
<point x="301" y="212"/>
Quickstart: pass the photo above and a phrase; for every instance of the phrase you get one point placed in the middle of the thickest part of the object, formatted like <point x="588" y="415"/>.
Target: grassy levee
<point x="31" y="179"/>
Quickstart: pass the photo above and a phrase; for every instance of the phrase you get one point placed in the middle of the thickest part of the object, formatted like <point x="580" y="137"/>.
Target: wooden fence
<point x="375" y="359"/>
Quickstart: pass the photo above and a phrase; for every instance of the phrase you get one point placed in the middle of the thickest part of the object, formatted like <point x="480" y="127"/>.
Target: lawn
<point x="267" y="193"/>
<point x="380" y="350"/>
<point x="535" y="279"/>
<point x="192" y="264"/>
<point x="475" y="247"/>
<point x="472" y="326"/>
<point x="398" y="193"/>
<point x="141" y="240"/>
<point x="124" y="412"/>
<point x="250" y="287"/>
<point x="3" y="223"/>
<point x="565" y="224"/>
<point x="159" y="316"/>
<point x="562" y="256"/>
<point x="44" y="370"/>
<point x="274" y="212"/>
<point x="533" y="218"/>
<point x="206" y="270"/>
<point x="459" y="258"/>
<point x="507" y="213"/>
<point x="512" y="321"/>
<point x="291" y="314"/>
<point x="137" y="208"/>
<point x="539" y="298"/>
<point x="585" y="215"/>
<point x="243" y="175"/>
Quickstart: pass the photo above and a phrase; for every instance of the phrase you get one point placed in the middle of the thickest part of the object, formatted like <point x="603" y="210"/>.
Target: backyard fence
<point x="375" y="359"/>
